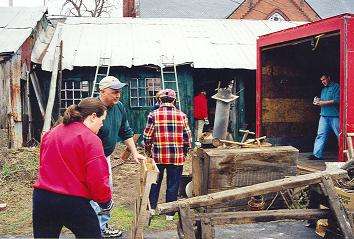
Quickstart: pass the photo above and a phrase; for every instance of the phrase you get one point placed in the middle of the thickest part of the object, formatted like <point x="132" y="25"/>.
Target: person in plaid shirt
<point x="167" y="139"/>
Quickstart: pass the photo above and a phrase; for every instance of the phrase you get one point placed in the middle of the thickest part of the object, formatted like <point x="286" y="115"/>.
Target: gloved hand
<point x="206" y="121"/>
<point x="105" y="207"/>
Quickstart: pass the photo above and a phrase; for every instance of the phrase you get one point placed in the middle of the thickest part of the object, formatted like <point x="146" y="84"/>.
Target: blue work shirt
<point x="115" y="128"/>
<point x="330" y="92"/>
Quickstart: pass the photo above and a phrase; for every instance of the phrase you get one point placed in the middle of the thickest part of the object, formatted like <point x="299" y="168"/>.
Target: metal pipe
<point x="223" y="97"/>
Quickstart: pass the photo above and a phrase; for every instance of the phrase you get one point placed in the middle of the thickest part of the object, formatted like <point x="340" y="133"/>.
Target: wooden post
<point x="53" y="86"/>
<point x="249" y="191"/>
<point x="207" y="229"/>
<point x="38" y="92"/>
<point x="149" y="174"/>
<point x="345" y="221"/>
<point x="187" y="220"/>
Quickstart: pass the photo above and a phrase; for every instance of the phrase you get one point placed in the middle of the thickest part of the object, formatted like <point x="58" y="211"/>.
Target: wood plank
<point x="350" y="147"/>
<point x="249" y="191"/>
<point x="38" y="92"/>
<point x="187" y="219"/>
<point x="207" y="229"/>
<point x="205" y="174"/>
<point x="197" y="175"/>
<point x="345" y="222"/>
<point x="52" y="89"/>
<point x="148" y="176"/>
<point x="244" y="217"/>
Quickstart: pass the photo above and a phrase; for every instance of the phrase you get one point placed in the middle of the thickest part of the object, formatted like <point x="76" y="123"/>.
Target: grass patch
<point x="122" y="218"/>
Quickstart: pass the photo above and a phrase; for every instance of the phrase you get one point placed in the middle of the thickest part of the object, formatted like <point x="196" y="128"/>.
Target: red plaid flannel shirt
<point x="168" y="133"/>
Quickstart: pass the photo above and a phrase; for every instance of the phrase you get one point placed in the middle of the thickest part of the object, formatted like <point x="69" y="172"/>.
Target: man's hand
<point x="138" y="157"/>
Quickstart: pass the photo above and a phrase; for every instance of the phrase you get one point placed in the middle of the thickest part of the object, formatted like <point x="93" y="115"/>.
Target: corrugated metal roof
<point x="206" y="43"/>
<point x="186" y="9"/>
<point x="16" y="24"/>
<point x="330" y="8"/>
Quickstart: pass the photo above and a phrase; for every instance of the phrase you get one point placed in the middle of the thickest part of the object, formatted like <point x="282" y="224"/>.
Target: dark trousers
<point x="52" y="211"/>
<point x="174" y="174"/>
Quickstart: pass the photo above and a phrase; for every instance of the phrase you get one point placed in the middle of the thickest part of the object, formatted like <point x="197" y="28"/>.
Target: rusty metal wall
<point x="10" y="96"/>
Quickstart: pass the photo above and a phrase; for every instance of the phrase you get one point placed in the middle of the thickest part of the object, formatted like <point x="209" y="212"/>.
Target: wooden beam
<point x="345" y="222"/>
<point x="249" y="191"/>
<point x="187" y="219"/>
<point x="37" y="91"/>
<point x="207" y="228"/>
<point x="244" y="217"/>
<point x="52" y="89"/>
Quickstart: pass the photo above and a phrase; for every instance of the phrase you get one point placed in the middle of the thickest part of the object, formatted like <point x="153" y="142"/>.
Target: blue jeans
<point x="325" y="126"/>
<point x="174" y="174"/>
<point x="104" y="219"/>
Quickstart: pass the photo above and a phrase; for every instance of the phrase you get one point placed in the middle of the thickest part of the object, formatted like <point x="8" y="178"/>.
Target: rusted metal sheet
<point x="15" y="118"/>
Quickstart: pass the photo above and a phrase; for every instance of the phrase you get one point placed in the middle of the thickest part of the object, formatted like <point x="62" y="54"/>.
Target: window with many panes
<point x="72" y="92"/>
<point x="143" y="91"/>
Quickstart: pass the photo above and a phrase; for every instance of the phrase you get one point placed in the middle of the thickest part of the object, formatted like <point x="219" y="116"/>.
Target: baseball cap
<point x="159" y="93"/>
<point x="111" y="82"/>
<point x="168" y="93"/>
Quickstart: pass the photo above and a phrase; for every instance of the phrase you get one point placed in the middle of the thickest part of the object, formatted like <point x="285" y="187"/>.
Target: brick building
<point x="289" y="10"/>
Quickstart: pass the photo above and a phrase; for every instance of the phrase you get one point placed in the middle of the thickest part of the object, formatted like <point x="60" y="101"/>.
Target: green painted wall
<point x="137" y="116"/>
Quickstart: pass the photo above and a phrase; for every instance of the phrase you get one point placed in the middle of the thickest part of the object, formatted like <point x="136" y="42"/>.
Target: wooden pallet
<point x="195" y="225"/>
<point x="148" y="176"/>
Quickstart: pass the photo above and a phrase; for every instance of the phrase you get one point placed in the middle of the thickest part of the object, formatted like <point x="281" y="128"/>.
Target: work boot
<point x="109" y="232"/>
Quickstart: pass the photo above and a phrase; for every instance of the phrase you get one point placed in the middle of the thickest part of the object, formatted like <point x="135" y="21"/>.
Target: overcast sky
<point x="54" y="6"/>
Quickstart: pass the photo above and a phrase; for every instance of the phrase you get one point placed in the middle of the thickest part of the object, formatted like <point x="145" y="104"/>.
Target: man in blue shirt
<point x="329" y="116"/>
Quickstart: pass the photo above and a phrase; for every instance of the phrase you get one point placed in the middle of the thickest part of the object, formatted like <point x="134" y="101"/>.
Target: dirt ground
<point x="18" y="172"/>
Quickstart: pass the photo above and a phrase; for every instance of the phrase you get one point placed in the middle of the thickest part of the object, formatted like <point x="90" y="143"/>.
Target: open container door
<point x="289" y="67"/>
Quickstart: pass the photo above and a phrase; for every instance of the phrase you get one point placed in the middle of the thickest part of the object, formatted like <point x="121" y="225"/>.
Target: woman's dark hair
<point x="87" y="106"/>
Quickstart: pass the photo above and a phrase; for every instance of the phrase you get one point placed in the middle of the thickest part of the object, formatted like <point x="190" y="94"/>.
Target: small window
<point x="276" y="17"/>
<point x="143" y="91"/>
<point x="72" y="92"/>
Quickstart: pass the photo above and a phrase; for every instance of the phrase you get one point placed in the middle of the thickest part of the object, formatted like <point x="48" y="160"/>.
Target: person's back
<point x="171" y="134"/>
<point x="168" y="133"/>
<point x="72" y="171"/>
<point x="71" y="149"/>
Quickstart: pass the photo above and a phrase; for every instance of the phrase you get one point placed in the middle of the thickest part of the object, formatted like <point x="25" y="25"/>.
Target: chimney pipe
<point x="11" y="3"/>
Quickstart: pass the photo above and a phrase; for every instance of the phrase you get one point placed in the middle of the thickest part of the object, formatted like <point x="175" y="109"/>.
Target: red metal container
<point x="328" y="43"/>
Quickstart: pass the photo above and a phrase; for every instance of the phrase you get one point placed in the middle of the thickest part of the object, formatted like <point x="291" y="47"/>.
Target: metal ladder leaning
<point x="103" y="65"/>
<point x="165" y="81"/>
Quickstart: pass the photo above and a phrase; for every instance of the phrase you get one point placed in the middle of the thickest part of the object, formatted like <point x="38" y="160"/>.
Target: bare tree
<point x="93" y="8"/>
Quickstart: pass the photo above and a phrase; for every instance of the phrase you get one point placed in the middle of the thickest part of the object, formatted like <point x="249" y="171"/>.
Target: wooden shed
<point x="19" y="30"/>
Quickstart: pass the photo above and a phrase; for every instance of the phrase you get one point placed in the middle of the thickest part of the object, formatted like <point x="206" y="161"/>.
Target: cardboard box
<point x="347" y="197"/>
